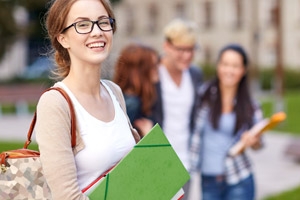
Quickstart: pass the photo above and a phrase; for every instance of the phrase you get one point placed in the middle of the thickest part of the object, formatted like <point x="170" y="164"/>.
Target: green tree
<point x="9" y="29"/>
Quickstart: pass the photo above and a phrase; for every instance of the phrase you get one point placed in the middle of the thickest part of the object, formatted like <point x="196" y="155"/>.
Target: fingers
<point x="250" y="140"/>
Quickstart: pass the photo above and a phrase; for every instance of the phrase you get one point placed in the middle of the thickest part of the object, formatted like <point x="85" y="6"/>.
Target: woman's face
<point x="230" y="69"/>
<point x="90" y="48"/>
<point x="181" y="56"/>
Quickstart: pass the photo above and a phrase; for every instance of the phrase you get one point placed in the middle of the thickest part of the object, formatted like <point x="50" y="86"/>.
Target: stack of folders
<point x="152" y="170"/>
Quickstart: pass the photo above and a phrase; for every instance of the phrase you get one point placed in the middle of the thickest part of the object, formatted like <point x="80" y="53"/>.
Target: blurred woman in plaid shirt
<point x="225" y="113"/>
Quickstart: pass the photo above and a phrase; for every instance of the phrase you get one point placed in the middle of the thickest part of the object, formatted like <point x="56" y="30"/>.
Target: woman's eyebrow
<point x="81" y="18"/>
<point x="87" y="18"/>
<point x="103" y="16"/>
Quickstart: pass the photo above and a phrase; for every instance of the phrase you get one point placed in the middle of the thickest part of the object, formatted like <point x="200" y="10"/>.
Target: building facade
<point x="254" y="24"/>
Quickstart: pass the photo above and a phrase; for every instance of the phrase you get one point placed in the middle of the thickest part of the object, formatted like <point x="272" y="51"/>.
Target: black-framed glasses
<point x="86" y="26"/>
<point x="182" y="49"/>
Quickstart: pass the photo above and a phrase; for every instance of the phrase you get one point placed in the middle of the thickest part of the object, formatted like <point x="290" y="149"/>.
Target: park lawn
<point x="293" y="112"/>
<point x="292" y="194"/>
<point x="290" y="125"/>
<point x="291" y="108"/>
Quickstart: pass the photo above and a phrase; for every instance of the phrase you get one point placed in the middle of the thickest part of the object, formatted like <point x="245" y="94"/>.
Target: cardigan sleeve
<point x="54" y="141"/>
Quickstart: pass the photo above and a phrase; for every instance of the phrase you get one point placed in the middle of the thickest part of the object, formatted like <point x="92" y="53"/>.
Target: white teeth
<point x="96" y="45"/>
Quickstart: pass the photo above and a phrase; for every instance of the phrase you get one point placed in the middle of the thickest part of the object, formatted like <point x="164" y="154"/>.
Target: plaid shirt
<point x="236" y="168"/>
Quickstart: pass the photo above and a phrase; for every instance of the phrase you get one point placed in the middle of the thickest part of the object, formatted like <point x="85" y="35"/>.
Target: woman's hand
<point x="251" y="140"/>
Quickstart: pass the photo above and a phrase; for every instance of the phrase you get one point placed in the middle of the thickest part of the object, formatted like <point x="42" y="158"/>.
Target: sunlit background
<point x="268" y="29"/>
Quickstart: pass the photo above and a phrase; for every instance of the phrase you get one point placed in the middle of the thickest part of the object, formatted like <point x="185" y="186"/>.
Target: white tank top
<point x="106" y="143"/>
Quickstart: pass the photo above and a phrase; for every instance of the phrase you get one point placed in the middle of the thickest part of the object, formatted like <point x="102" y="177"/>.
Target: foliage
<point x="291" y="79"/>
<point x="47" y="82"/>
<point x="208" y="71"/>
<point x="266" y="77"/>
<point x="8" y="109"/>
<point x="10" y="30"/>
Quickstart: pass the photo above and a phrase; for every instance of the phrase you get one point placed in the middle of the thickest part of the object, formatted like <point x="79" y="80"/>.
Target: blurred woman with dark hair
<point x="225" y="113"/>
<point x="136" y="73"/>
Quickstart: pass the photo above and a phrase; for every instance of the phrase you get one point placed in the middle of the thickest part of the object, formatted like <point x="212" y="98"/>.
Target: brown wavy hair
<point x="133" y="71"/>
<point x="55" y="21"/>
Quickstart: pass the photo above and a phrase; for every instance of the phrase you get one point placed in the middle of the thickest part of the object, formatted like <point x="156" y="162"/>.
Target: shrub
<point x="266" y="77"/>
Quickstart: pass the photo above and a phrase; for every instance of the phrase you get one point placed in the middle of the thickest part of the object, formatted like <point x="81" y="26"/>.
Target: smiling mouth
<point x="96" y="45"/>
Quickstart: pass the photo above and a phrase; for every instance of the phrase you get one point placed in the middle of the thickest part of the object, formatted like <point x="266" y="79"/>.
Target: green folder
<point x="152" y="170"/>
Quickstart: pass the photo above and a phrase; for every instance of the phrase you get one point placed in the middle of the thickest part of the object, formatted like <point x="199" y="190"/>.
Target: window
<point x="207" y="11"/>
<point x="180" y="10"/>
<point x="274" y="15"/>
<point x="238" y="4"/>
<point x="130" y="20"/>
<point x="153" y="18"/>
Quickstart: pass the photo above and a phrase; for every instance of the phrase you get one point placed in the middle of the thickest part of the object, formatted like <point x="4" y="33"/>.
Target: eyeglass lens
<point x="87" y="26"/>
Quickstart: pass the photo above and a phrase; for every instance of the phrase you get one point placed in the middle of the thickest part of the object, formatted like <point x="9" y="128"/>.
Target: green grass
<point x="293" y="194"/>
<point x="291" y="125"/>
<point x="11" y="145"/>
<point x="292" y="101"/>
<point x="291" y="107"/>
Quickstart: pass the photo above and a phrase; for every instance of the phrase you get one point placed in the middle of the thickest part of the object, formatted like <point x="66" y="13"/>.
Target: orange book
<point x="258" y="129"/>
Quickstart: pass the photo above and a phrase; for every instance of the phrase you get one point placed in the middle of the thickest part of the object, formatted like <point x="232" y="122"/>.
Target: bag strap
<point x="73" y="119"/>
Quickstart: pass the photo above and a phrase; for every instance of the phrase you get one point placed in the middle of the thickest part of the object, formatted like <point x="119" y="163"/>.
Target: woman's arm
<point x="253" y="140"/>
<point x="54" y="140"/>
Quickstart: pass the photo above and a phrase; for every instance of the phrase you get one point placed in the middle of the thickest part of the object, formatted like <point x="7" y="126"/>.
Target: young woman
<point x="226" y="111"/>
<point x="136" y="72"/>
<point x="81" y="33"/>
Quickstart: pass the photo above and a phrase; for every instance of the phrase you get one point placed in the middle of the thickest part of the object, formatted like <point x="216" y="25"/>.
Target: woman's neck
<point x="87" y="81"/>
<point x="228" y="95"/>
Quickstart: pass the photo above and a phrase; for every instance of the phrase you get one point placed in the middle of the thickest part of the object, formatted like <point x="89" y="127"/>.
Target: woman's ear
<point x="61" y="38"/>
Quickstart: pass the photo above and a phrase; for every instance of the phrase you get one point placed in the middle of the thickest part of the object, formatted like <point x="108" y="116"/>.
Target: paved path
<point x="15" y="127"/>
<point x="274" y="171"/>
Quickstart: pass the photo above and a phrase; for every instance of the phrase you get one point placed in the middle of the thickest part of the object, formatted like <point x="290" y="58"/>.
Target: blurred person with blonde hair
<point x="136" y="72"/>
<point x="176" y="89"/>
